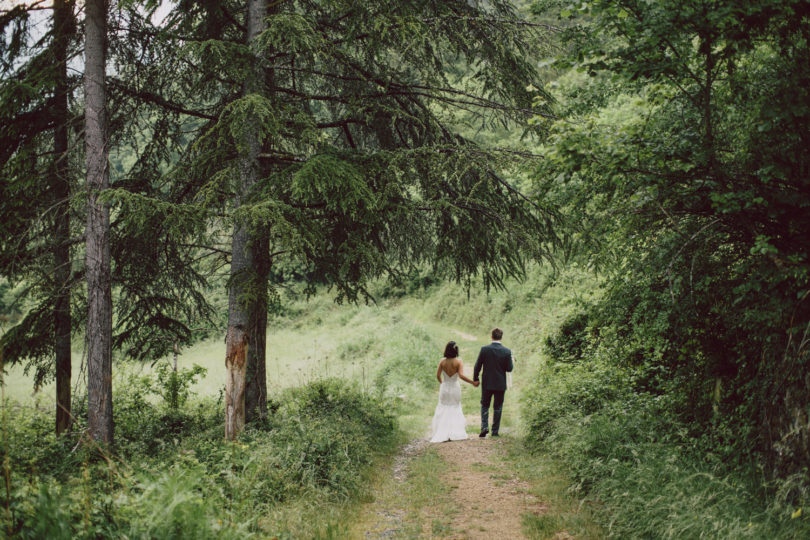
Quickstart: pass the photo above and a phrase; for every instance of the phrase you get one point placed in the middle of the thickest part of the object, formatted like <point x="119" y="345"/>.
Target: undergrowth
<point x="172" y="475"/>
<point x="632" y="451"/>
<point x="640" y="455"/>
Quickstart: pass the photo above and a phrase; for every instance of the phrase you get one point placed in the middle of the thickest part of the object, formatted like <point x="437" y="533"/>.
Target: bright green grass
<point x="322" y="340"/>
<point x="401" y="339"/>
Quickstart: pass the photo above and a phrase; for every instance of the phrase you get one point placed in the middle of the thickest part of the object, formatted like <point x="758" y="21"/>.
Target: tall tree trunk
<point x="246" y="291"/>
<point x="63" y="25"/>
<point x="256" y="390"/>
<point x="99" y="297"/>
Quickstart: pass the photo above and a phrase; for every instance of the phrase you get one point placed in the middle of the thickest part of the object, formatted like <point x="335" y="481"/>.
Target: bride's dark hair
<point x="451" y="350"/>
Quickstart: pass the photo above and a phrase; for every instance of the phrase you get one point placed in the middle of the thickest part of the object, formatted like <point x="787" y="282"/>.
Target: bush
<point x="337" y="401"/>
<point x="568" y="344"/>
<point x="42" y="512"/>
<point x="653" y="477"/>
<point x="174" y="476"/>
<point x="634" y="459"/>
<point x="562" y="389"/>
<point x="174" y="385"/>
<point x="32" y="446"/>
<point x="182" y="502"/>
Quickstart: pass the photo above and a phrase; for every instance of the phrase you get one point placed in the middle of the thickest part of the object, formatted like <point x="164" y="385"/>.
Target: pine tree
<point x="63" y="27"/>
<point x="36" y="229"/>
<point x="358" y="170"/>
<point x="159" y="291"/>
<point x="360" y="173"/>
<point x="247" y="311"/>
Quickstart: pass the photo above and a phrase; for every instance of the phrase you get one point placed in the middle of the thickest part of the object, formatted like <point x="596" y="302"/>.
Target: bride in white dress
<point x="449" y="423"/>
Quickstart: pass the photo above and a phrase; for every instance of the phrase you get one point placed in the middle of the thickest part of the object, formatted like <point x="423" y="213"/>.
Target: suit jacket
<point x="495" y="360"/>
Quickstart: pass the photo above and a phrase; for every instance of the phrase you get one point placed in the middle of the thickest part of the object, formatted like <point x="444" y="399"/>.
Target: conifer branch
<point x="157" y="100"/>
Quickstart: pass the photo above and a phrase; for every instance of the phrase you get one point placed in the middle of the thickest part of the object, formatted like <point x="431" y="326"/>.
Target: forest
<point x="235" y="236"/>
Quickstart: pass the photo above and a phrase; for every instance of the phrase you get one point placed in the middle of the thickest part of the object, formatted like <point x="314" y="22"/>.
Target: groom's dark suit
<point x="496" y="361"/>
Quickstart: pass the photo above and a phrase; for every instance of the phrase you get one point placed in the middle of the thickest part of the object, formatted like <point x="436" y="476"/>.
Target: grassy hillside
<point x="393" y="345"/>
<point x="321" y="441"/>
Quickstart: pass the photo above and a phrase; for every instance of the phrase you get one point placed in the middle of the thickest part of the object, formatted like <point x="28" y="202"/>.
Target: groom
<point x="496" y="360"/>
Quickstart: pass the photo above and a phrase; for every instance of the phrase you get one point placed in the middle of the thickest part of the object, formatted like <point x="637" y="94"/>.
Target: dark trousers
<point x="486" y="398"/>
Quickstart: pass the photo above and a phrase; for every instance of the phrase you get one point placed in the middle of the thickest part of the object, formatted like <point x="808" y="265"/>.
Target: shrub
<point x="41" y="512"/>
<point x="343" y="404"/>
<point x="174" y="385"/>
<point x="562" y="389"/>
<point x="652" y="476"/>
<point x="144" y="428"/>
<point x="568" y="344"/>
<point x="32" y="446"/>
<point x="174" y="476"/>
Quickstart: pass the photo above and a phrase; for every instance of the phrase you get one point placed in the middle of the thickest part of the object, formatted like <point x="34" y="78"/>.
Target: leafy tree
<point x="690" y="173"/>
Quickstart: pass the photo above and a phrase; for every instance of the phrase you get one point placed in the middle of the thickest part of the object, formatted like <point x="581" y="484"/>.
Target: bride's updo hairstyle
<point x="451" y="350"/>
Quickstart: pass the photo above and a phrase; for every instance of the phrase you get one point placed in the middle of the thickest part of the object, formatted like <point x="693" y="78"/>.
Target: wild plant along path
<point x="454" y="490"/>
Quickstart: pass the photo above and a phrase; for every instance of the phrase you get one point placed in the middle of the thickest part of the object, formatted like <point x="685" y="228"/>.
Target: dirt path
<point x="490" y="498"/>
<point x="479" y="497"/>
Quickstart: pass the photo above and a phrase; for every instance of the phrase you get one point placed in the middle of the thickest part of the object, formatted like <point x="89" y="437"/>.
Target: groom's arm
<point x="510" y="364"/>
<point x="478" y="364"/>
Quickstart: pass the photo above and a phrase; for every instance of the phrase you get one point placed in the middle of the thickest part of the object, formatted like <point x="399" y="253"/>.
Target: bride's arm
<point x="439" y="371"/>
<point x="461" y="373"/>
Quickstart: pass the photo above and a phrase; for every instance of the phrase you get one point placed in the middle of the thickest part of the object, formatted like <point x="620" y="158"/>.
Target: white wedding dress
<point x="449" y="423"/>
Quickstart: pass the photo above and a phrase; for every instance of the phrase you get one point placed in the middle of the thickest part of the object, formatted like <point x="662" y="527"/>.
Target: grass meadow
<point x="393" y="346"/>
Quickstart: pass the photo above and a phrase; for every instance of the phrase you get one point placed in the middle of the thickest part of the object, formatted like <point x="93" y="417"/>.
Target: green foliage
<point x="156" y="281"/>
<point x="657" y="483"/>
<point x="563" y="389"/>
<point x="361" y="171"/>
<point x="652" y="474"/>
<point x="653" y="469"/>
<point x="568" y="344"/>
<point x="176" y="503"/>
<point x="43" y="509"/>
<point x="174" y="385"/>
<point x="9" y="312"/>
<point x="173" y="475"/>
<point x="336" y="401"/>
<point x="682" y="175"/>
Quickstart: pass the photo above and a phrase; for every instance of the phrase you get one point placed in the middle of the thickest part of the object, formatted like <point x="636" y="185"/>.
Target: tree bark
<point x="60" y="185"/>
<point x="256" y="390"/>
<point x="236" y="365"/>
<point x="99" y="298"/>
<point x="247" y="311"/>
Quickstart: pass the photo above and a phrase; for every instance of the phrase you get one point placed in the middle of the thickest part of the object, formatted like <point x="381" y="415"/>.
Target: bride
<point x="449" y="423"/>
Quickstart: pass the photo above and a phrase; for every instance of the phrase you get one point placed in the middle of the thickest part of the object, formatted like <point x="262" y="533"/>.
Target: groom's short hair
<point x="497" y="334"/>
